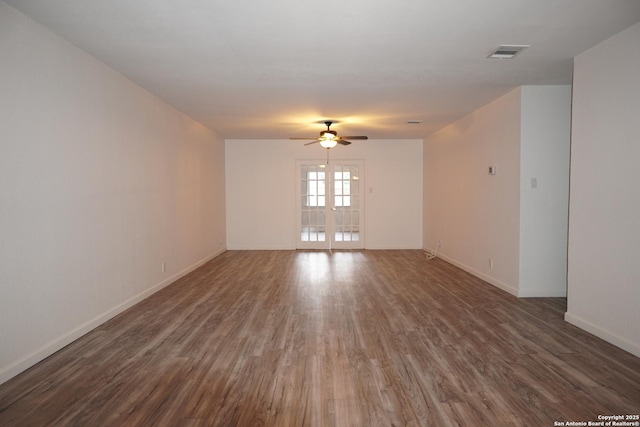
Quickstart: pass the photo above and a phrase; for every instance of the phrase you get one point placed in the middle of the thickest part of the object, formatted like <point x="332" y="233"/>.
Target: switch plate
<point x="492" y="170"/>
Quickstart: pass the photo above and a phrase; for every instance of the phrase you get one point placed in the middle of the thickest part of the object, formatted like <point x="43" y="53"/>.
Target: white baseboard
<point x="606" y="335"/>
<point x="495" y="282"/>
<point x="542" y="293"/>
<point x="398" y="247"/>
<point x="56" y="344"/>
<point x="261" y="248"/>
<point x="513" y="290"/>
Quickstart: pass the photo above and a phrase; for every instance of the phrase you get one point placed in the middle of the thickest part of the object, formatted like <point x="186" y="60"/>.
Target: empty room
<point x="306" y="213"/>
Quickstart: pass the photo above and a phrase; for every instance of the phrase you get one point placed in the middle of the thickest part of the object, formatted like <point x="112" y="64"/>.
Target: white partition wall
<point x="544" y="190"/>
<point x="475" y="216"/>
<point x="507" y="226"/>
<point x="604" y="227"/>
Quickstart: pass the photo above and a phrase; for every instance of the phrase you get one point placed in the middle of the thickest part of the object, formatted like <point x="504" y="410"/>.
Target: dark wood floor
<point x="360" y="338"/>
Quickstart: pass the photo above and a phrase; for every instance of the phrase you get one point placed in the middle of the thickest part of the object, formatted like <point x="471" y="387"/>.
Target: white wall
<point x="496" y="226"/>
<point x="604" y="219"/>
<point x="261" y="190"/>
<point x="100" y="182"/>
<point x="544" y="210"/>
<point x="473" y="214"/>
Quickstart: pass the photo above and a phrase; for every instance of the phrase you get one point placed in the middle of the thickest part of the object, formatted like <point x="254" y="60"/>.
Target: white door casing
<point x="330" y="204"/>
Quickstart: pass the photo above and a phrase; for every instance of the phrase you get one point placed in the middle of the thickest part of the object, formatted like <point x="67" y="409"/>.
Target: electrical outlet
<point x="164" y="267"/>
<point x="439" y="244"/>
<point x="490" y="263"/>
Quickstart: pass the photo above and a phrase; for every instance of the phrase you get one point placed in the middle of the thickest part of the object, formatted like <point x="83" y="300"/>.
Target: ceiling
<point x="273" y="69"/>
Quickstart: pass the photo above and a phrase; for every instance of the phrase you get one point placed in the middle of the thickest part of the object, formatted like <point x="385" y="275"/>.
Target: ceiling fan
<point x="329" y="138"/>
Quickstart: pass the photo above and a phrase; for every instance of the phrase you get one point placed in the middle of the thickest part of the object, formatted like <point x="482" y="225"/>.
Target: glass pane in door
<point x="346" y="203"/>
<point x="313" y="203"/>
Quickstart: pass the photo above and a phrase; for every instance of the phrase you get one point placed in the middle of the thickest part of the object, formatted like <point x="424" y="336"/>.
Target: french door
<point x="330" y="206"/>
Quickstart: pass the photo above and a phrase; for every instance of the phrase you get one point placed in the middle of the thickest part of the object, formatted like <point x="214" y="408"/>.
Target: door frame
<point x="330" y="242"/>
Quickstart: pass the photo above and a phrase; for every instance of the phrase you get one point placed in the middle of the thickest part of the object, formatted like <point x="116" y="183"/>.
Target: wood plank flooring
<point x="362" y="338"/>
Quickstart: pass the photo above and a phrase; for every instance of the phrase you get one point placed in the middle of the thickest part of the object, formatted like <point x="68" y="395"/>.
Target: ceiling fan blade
<point x="355" y="137"/>
<point x="305" y="139"/>
<point x="344" y="142"/>
<point x="312" y="142"/>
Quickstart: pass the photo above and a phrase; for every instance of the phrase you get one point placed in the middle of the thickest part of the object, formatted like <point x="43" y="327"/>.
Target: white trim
<point x="56" y="344"/>
<point x="606" y="335"/>
<point x="261" y="248"/>
<point x="551" y="292"/>
<point x="513" y="290"/>
<point x="392" y="247"/>
<point x="329" y="242"/>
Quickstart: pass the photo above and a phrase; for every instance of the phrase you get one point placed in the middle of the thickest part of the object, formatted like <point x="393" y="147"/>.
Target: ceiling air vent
<point x="507" y="51"/>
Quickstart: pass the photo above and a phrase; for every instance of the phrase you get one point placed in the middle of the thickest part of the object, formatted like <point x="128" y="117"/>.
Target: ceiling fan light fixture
<point x="329" y="138"/>
<point x="328" y="134"/>
<point x="328" y="142"/>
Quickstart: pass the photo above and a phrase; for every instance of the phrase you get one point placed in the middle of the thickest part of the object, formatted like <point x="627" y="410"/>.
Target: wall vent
<point x="507" y="51"/>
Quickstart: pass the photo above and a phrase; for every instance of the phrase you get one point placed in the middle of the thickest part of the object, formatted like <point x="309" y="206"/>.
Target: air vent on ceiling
<point x="414" y="122"/>
<point x="507" y="51"/>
